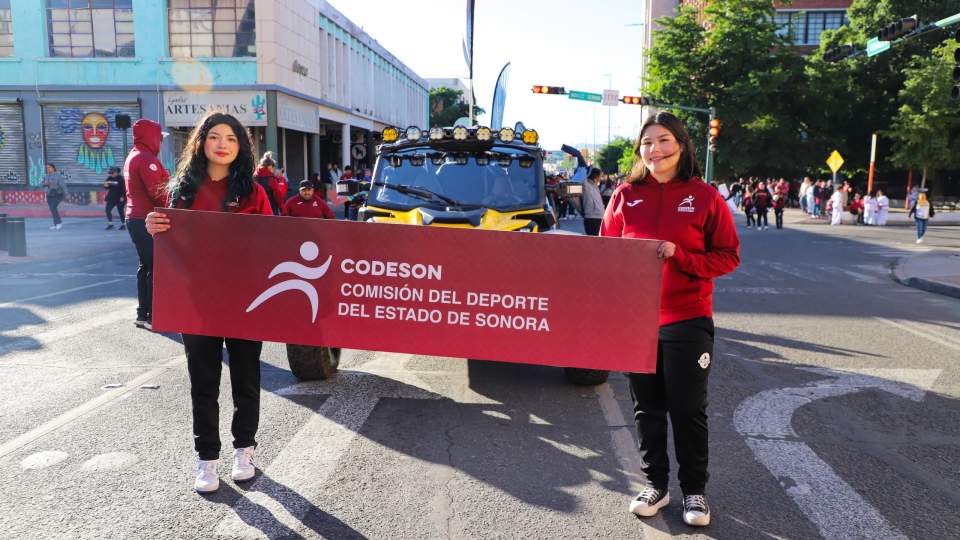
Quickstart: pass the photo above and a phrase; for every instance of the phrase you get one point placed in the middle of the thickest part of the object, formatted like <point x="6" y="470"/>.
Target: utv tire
<point x="586" y="377"/>
<point x="310" y="363"/>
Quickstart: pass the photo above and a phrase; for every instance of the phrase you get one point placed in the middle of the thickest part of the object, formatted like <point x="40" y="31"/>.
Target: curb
<point x="923" y="284"/>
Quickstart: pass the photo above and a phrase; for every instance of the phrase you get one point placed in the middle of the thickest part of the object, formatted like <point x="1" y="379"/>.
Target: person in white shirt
<point x="804" y="187"/>
<point x="869" y="210"/>
<point x="883" y="207"/>
<point x="836" y="205"/>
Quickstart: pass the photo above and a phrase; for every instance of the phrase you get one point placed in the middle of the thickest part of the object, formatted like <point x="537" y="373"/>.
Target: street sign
<point x="611" y="98"/>
<point x="835" y="161"/>
<point x="585" y="96"/>
<point x="875" y="46"/>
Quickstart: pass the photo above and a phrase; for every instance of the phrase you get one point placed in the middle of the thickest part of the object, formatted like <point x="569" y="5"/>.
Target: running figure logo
<point x="309" y="252"/>
<point x="686" y="205"/>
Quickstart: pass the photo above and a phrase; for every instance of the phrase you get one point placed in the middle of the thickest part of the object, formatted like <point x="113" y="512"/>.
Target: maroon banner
<point x="551" y="299"/>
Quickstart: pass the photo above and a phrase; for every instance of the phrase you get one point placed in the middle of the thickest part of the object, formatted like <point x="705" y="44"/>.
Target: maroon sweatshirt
<point x="210" y="196"/>
<point x="313" y="208"/>
<point x="144" y="175"/>
<point x="692" y="215"/>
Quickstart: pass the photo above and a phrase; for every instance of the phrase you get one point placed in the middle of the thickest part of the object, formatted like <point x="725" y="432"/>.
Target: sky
<point x="573" y="44"/>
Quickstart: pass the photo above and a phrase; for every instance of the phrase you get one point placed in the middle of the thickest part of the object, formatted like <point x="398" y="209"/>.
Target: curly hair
<point x="192" y="165"/>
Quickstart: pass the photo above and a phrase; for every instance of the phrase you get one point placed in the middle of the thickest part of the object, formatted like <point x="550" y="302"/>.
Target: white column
<point x="345" y="145"/>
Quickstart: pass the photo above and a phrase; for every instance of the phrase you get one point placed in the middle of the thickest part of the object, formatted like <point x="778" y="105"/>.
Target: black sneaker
<point x="650" y="501"/>
<point x="109" y="226"/>
<point x="143" y="322"/>
<point x="122" y="227"/>
<point x="695" y="511"/>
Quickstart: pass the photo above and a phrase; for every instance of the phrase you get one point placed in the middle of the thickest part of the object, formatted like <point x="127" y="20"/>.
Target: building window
<point x="90" y="28"/>
<point x="6" y="29"/>
<point x="212" y="28"/>
<point x="805" y="27"/>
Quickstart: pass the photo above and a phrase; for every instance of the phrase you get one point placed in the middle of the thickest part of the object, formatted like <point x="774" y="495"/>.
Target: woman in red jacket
<point x="215" y="174"/>
<point x="665" y="199"/>
<point x="273" y="183"/>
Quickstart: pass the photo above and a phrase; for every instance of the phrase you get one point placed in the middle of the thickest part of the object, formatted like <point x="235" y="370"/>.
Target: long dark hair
<point x="192" y="165"/>
<point x="687" y="168"/>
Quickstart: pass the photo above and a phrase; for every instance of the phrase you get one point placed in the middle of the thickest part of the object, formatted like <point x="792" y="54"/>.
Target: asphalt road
<point x="834" y="407"/>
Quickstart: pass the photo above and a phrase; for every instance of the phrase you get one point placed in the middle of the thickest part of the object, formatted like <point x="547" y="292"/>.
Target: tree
<point x="447" y="105"/>
<point x="744" y="69"/>
<point x="608" y="158"/>
<point x="926" y="129"/>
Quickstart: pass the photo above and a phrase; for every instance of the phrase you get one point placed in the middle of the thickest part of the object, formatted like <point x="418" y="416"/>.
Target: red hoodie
<point x="275" y="185"/>
<point x="313" y="208"/>
<point x="692" y="215"/>
<point x="210" y="197"/>
<point x="144" y="175"/>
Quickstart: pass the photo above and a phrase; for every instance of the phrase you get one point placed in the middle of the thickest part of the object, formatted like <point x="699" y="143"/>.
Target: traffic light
<point x="956" y="68"/>
<point x="538" y="89"/>
<point x="838" y="53"/>
<point x="714" y="133"/>
<point x="898" y="29"/>
<point x="637" y="100"/>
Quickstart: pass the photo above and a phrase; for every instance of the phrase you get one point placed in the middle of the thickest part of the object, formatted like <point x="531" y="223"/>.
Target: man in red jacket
<point x="146" y="183"/>
<point x="307" y="204"/>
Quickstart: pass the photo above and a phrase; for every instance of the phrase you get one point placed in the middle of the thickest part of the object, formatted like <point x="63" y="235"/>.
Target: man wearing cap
<point x="306" y="204"/>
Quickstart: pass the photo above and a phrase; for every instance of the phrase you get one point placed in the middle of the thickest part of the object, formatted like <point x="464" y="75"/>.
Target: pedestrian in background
<point x="116" y="197"/>
<point x="307" y="204"/>
<point x="921" y="212"/>
<point x="856" y="209"/>
<point x="55" y="187"/>
<point x="592" y="203"/>
<point x="748" y="205"/>
<point x="215" y="174"/>
<point x="146" y="183"/>
<point x="883" y="207"/>
<point x="869" y="209"/>
<point x="779" y="203"/>
<point x="802" y="194"/>
<point x="761" y="201"/>
<point x="836" y="208"/>
<point x="698" y="242"/>
<point x="272" y="181"/>
<point x="607" y="187"/>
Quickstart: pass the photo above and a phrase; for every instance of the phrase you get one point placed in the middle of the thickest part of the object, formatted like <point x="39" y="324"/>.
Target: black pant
<point x="749" y="213"/>
<point x="144" y="244"/>
<point x="53" y="201"/>
<point x="591" y="226"/>
<point x="762" y="216"/>
<point x="679" y="387"/>
<point x="119" y="205"/>
<point x="778" y="212"/>
<point x="204" y="357"/>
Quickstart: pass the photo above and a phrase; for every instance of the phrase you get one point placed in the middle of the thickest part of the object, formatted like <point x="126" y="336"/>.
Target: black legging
<point x="119" y="205"/>
<point x="778" y="213"/>
<point x="748" y="211"/>
<point x="762" y="216"/>
<point x="53" y="201"/>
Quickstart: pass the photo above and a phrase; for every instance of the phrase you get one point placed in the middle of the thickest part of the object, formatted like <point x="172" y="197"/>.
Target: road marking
<point x="110" y="461"/>
<point x="791" y="271"/>
<point x="42" y="460"/>
<point x="860" y="277"/>
<point x="628" y="456"/>
<point x="834" y="507"/>
<point x="946" y="341"/>
<point x="756" y="290"/>
<point x="312" y="455"/>
<point x="92" y="405"/>
<point x="65" y="274"/>
<point x="65" y="291"/>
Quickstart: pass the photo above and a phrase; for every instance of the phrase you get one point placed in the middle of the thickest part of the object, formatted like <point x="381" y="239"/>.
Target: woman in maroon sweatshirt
<point x="665" y="199"/>
<point x="215" y="174"/>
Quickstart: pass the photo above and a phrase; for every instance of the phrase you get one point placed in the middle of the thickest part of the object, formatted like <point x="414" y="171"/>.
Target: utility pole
<point x="609" y="108"/>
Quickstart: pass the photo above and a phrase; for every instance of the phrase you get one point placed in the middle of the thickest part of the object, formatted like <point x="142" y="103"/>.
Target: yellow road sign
<point x="835" y="161"/>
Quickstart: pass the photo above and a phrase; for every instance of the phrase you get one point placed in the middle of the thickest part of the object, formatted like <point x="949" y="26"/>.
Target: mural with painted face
<point x="93" y="153"/>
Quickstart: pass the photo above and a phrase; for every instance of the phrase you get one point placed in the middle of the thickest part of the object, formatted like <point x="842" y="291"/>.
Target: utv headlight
<point x="436" y="134"/>
<point x="484" y="134"/>
<point x="506" y="135"/>
<point x="414" y="134"/>
<point x="460" y="133"/>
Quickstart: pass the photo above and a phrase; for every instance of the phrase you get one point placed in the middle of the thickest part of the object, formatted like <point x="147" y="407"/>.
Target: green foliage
<point x="926" y="128"/>
<point x="447" y="105"/>
<point x="608" y="158"/>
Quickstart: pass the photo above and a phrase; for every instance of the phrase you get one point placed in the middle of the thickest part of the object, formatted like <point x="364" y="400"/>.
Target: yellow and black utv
<point x="463" y="177"/>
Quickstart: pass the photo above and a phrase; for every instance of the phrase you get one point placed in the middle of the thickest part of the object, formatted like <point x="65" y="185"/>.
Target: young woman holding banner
<point x="216" y="174"/>
<point x="665" y="199"/>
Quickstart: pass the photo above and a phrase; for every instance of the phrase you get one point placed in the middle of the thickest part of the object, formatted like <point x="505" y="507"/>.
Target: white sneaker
<point x="243" y="467"/>
<point x="207" y="480"/>
<point x="695" y="511"/>
<point x="649" y="501"/>
<point x="765" y="227"/>
<point x="920" y="240"/>
<point x="58" y="226"/>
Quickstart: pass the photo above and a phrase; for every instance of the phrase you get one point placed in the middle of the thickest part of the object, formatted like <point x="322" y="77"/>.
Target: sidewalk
<point x="934" y="272"/>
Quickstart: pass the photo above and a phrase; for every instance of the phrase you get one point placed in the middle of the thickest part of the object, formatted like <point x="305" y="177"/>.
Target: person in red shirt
<point x="145" y="181"/>
<point x="665" y="199"/>
<point x="306" y="204"/>
<point x="272" y="182"/>
<point x="215" y="174"/>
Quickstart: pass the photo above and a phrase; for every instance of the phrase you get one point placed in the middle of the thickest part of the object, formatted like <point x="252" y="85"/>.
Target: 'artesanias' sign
<point x="519" y="297"/>
<point x="184" y="109"/>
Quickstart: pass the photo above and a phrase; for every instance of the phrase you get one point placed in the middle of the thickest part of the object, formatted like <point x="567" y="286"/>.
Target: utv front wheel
<point x="310" y="363"/>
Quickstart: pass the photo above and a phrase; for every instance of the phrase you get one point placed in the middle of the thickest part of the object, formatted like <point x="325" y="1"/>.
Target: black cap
<point x="306" y="184"/>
